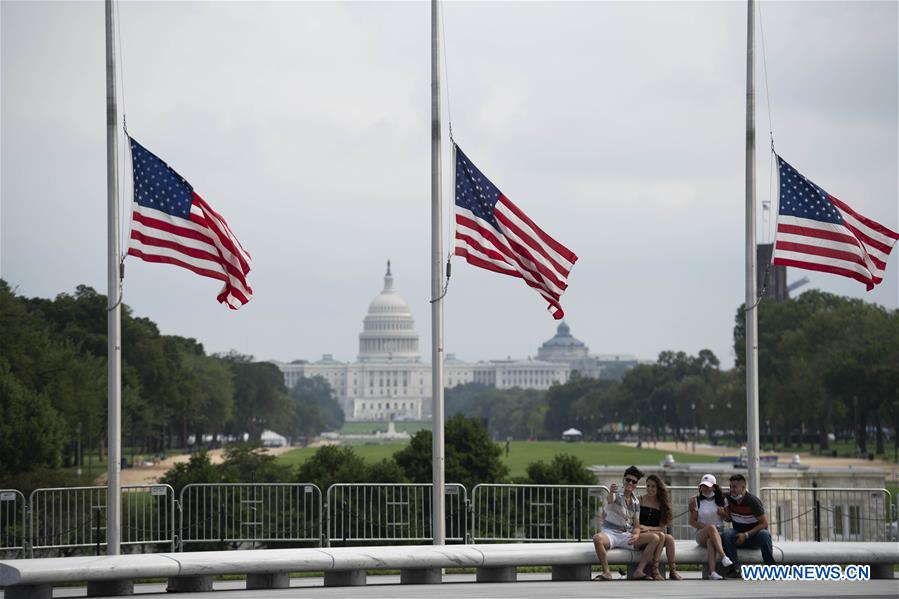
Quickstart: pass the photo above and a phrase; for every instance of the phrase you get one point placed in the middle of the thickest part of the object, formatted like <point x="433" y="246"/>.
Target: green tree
<point x="314" y="407"/>
<point x="471" y="455"/>
<point x="560" y="399"/>
<point x="32" y="433"/>
<point x="260" y="398"/>
<point x="564" y="469"/>
<point x="198" y="469"/>
<point x="250" y="463"/>
<point x="516" y="413"/>
<point x="332" y="464"/>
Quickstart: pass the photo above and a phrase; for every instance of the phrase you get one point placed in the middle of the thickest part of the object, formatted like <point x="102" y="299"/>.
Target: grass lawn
<point x="370" y="453"/>
<point x="522" y="453"/>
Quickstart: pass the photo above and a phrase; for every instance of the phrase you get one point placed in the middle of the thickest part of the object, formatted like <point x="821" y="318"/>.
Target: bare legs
<point x="666" y="542"/>
<point x="601" y="543"/>
<point x="648" y="541"/>
<point x="709" y="538"/>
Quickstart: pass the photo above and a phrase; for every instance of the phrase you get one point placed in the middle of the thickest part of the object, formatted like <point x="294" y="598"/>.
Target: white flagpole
<point x="114" y="316"/>
<point x="752" y="349"/>
<point x="437" y="447"/>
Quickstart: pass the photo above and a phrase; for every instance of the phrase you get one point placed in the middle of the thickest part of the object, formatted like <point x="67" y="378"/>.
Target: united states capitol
<point x="389" y="381"/>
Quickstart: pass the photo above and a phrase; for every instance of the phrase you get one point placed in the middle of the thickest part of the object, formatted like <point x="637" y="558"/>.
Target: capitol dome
<point x="388" y="333"/>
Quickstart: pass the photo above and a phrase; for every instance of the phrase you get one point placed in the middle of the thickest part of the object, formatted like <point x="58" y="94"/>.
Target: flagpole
<point x="751" y="312"/>
<point x="437" y="448"/>
<point x="113" y="320"/>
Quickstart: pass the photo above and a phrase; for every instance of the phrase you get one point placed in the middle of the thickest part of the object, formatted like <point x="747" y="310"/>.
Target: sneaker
<point x="726" y="562"/>
<point x="715" y="576"/>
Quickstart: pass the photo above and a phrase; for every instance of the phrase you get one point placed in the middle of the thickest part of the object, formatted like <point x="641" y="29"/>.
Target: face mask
<point x="736" y="497"/>
<point x="708" y="494"/>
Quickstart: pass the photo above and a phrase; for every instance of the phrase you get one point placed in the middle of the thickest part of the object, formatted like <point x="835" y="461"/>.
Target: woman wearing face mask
<point x="707" y="513"/>
<point x="655" y="516"/>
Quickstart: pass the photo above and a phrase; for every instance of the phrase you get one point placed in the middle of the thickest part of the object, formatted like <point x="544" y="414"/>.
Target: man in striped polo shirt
<point x="750" y="524"/>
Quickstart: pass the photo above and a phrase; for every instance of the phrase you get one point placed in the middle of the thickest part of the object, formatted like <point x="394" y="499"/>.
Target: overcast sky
<point x="618" y="127"/>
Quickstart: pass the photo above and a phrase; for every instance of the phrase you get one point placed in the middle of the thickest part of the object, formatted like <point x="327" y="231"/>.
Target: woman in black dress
<point x="655" y="516"/>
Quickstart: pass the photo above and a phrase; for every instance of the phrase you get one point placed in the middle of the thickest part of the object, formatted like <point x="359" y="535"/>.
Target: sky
<point x="618" y="127"/>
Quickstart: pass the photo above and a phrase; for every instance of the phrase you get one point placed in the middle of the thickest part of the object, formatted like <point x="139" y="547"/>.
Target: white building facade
<point x="388" y="380"/>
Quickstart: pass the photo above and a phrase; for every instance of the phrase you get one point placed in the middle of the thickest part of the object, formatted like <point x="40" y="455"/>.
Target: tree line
<point x="472" y="457"/>
<point x="53" y="396"/>
<point x="828" y="368"/>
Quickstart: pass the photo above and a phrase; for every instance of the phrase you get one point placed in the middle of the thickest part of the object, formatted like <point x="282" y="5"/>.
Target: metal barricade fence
<point x="13" y="533"/>
<point x="251" y="513"/>
<point x="72" y="517"/>
<point x="521" y="512"/>
<point x="894" y="519"/>
<point x="828" y="513"/>
<point x="365" y="512"/>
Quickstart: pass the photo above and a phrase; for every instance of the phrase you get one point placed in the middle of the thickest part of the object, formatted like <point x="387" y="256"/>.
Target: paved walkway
<point x="462" y="586"/>
<point x="784" y="458"/>
<point x="144" y="475"/>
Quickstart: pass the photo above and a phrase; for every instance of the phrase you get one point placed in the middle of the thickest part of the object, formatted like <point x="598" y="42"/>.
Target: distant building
<point x="388" y="380"/>
<point x="776" y="284"/>
<point x="566" y="349"/>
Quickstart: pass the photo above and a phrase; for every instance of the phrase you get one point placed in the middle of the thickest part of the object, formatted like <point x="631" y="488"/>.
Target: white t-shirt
<point x="708" y="512"/>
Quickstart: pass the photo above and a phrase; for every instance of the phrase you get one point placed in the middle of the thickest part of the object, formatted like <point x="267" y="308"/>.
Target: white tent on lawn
<point x="572" y="434"/>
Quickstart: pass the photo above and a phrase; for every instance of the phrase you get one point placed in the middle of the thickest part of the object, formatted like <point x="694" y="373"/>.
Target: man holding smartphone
<point x="621" y="527"/>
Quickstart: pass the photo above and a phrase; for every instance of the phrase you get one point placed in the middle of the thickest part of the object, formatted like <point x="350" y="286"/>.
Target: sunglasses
<point x="631" y="481"/>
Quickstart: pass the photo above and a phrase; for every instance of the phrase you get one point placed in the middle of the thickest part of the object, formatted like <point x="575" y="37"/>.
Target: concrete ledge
<point x="882" y="572"/>
<point x="348" y="565"/>
<point x="107" y="588"/>
<point x="345" y="578"/>
<point x="29" y="591"/>
<point x="189" y="584"/>
<point x="572" y="572"/>
<point x="421" y="576"/>
<point x="268" y="580"/>
<point x="497" y="574"/>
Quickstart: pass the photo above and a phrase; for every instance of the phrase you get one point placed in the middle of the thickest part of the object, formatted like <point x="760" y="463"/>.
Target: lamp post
<point x="729" y="406"/>
<point x="693" y="408"/>
<point x="664" y="419"/>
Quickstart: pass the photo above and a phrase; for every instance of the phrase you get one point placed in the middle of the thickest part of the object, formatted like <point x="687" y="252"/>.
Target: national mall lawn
<point x="522" y="453"/>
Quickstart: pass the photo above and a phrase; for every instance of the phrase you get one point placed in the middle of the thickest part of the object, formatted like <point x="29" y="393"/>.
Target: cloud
<point x="618" y="127"/>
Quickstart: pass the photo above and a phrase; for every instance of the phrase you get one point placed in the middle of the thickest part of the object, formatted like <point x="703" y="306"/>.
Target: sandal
<point x="603" y="577"/>
<point x="644" y="577"/>
<point x="655" y="573"/>
<point x="672" y="572"/>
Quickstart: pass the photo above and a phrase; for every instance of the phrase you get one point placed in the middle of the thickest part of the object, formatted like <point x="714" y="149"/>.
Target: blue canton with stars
<point x="474" y="191"/>
<point x="801" y="198"/>
<point x="157" y="185"/>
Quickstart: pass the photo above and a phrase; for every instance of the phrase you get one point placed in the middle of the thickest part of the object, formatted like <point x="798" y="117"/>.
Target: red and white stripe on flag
<point x="816" y="231"/>
<point x="494" y="234"/>
<point x="204" y="244"/>
<point x="171" y="224"/>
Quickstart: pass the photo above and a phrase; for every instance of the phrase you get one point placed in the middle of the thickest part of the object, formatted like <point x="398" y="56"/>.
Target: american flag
<point x="493" y="233"/>
<point x="816" y="231"/>
<point x="170" y="223"/>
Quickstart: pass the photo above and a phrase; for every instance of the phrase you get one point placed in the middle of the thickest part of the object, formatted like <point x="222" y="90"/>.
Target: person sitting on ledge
<point x="621" y="527"/>
<point x="655" y="516"/>
<point x="707" y="512"/>
<point x="750" y="524"/>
